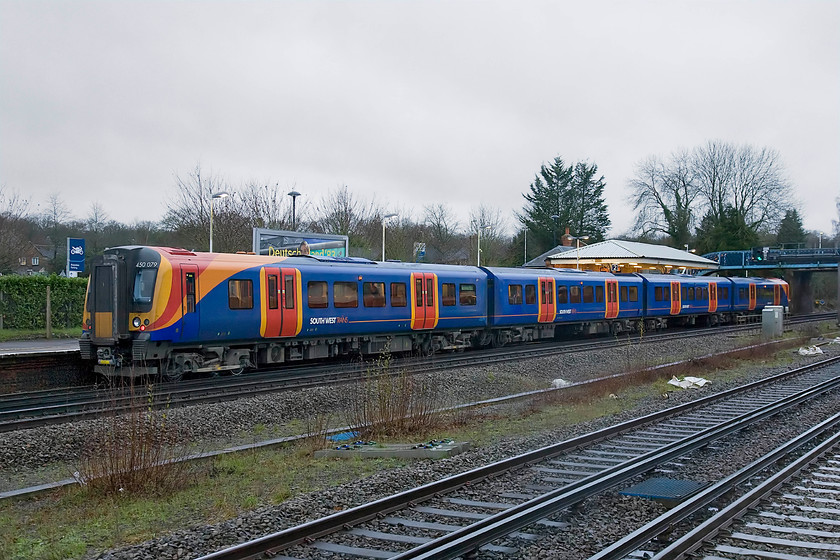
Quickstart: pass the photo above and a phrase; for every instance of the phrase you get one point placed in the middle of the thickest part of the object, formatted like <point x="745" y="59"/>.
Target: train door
<point x="752" y="297"/>
<point x="102" y="304"/>
<point x="612" y="299"/>
<point x="424" y="308"/>
<point x="281" y="296"/>
<point x="547" y="302"/>
<point x="777" y="295"/>
<point x="189" y="300"/>
<point x="713" y="301"/>
<point x="676" y="301"/>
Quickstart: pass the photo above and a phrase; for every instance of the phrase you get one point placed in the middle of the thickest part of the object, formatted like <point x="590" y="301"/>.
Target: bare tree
<point x="188" y="214"/>
<point x="664" y="196"/>
<point x="493" y="234"/>
<point x="268" y="206"/>
<point x="750" y="180"/>
<point x="340" y="212"/>
<point x="442" y="230"/>
<point x="13" y="212"/>
<point x="54" y="222"/>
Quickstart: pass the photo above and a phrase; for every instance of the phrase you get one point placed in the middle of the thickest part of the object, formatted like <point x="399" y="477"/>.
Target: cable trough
<point x="467" y="513"/>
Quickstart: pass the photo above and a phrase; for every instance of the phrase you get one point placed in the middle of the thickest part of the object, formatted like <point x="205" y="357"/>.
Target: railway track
<point x="465" y="514"/>
<point x="29" y="410"/>
<point x="783" y="516"/>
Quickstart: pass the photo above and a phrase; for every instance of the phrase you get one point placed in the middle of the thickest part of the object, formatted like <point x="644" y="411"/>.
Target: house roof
<point x="539" y="262"/>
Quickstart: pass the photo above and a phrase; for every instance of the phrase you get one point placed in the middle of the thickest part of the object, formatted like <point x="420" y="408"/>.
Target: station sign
<point x="75" y="256"/>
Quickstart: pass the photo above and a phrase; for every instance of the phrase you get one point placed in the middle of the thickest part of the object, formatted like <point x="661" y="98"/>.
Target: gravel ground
<point x="31" y="453"/>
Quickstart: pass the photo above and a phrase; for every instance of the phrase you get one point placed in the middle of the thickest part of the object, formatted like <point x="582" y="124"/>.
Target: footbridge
<point x="797" y="266"/>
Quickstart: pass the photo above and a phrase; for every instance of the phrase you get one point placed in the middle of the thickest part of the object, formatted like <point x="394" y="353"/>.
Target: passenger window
<point x="447" y="295"/>
<point x="272" y="291"/>
<point x="290" y="292"/>
<point x="562" y="294"/>
<point x="589" y="294"/>
<point x="634" y="293"/>
<point x="530" y="294"/>
<point x="418" y="292"/>
<point x="240" y="294"/>
<point x="599" y="294"/>
<point x="724" y="292"/>
<point x="189" y="279"/>
<point x="666" y="293"/>
<point x="574" y="294"/>
<point x="430" y="292"/>
<point x="316" y="293"/>
<point x="373" y="294"/>
<point x="657" y="293"/>
<point x="398" y="298"/>
<point x="345" y="294"/>
<point x="467" y="294"/>
<point x="623" y="292"/>
<point x="742" y="293"/>
<point x="691" y="294"/>
<point x="515" y="294"/>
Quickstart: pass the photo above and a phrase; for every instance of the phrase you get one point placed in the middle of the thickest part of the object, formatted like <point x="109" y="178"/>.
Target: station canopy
<point x="616" y="255"/>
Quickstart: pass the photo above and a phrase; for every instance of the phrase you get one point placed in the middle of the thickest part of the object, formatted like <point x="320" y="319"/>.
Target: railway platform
<point x="38" y="346"/>
<point x="29" y="365"/>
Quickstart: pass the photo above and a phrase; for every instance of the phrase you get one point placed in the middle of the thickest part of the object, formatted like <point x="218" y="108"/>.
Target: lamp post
<point x="554" y="229"/>
<point x="478" y="255"/>
<point x="294" y="195"/>
<point x="214" y="196"/>
<point x="526" y="248"/>
<point x="384" y="219"/>
<point x="577" y="239"/>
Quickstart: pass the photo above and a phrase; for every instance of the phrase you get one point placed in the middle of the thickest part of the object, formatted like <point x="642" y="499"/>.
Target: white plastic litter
<point x="688" y="382"/>
<point x="558" y="383"/>
<point x="810" y="351"/>
<point x="835" y="341"/>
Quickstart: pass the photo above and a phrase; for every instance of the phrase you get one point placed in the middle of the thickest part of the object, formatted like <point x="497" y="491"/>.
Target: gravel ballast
<point x="27" y="453"/>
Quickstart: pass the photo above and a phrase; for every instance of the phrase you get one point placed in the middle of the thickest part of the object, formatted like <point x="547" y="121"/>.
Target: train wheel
<point x="615" y="328"/>
<point x="174" y="370"/>
<point x="498" y="340"/>
<point x="243" y="365"/>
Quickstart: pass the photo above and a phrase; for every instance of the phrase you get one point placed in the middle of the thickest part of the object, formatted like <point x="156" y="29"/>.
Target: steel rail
<point x="473" y="536"/>
<point x="702" y="499"/>
<point x="694" y="539"/>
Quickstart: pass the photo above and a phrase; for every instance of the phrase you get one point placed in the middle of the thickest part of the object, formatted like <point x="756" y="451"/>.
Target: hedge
<point x="23" y="301"/>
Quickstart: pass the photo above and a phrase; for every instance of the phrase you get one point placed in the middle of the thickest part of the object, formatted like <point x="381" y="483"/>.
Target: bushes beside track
<point x="23" y="301"/>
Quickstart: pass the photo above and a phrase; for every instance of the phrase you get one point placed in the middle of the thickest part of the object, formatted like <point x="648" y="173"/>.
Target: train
<point x="159" y="311"/>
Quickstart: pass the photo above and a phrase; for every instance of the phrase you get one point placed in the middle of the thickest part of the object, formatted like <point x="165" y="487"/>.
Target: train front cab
<point x="118" y="305"/>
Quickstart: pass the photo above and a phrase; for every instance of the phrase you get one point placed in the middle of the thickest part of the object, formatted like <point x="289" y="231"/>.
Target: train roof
<point x="300" y="260"/>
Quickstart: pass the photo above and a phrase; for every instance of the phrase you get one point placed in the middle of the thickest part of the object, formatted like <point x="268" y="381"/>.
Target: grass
<point x="33" y="334"/>
<point x="76" y="521"/>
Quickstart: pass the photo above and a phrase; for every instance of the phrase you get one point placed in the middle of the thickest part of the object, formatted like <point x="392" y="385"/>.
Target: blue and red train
<point x="155" y="310"/>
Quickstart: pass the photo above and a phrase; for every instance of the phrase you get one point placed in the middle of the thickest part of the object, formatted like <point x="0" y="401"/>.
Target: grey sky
<point x="409" y="101"/>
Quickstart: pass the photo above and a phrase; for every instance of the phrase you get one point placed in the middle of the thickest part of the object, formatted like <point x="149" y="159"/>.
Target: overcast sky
<point x="410" y="102"/>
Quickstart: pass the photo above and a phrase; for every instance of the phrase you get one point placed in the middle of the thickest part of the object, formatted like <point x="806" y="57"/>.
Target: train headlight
<point x="136" y="322"/>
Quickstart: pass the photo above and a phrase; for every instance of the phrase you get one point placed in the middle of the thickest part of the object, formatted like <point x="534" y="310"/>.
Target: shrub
<point x="23" y="301"/>
<point x="134" y="452"/>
